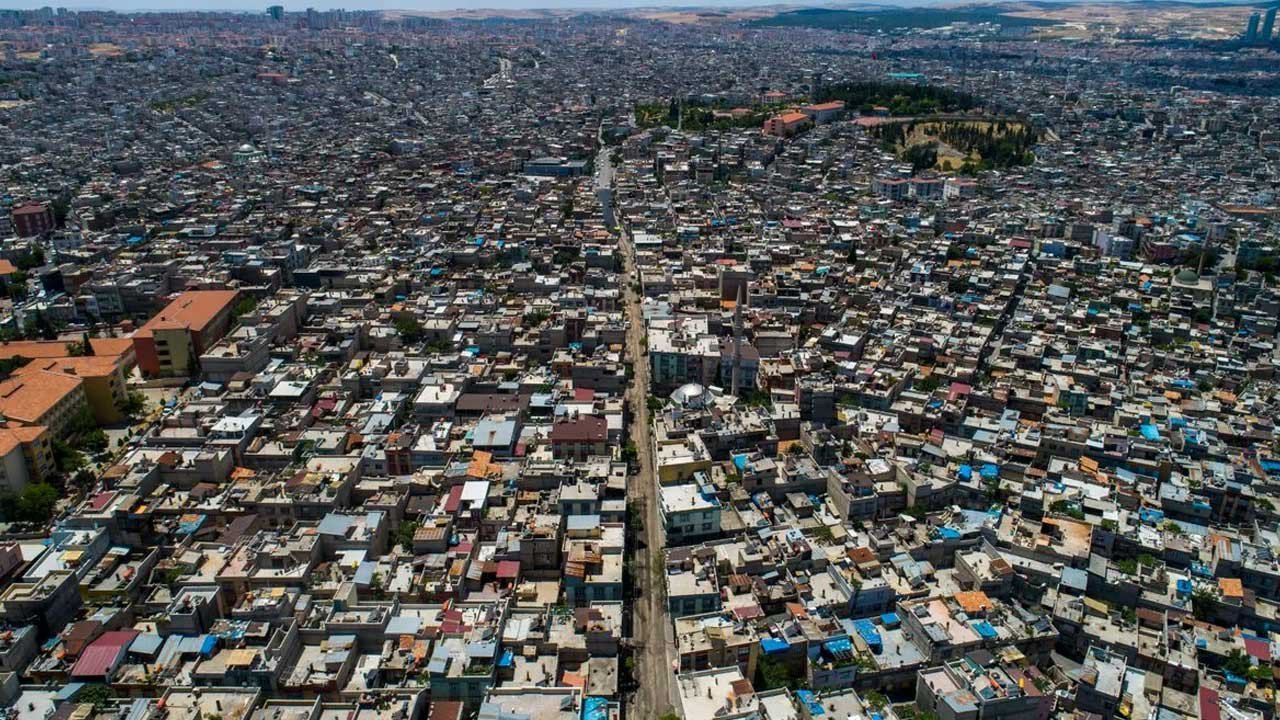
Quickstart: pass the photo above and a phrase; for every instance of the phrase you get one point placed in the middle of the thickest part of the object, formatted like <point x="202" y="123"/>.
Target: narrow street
<point x="651" y="627"/>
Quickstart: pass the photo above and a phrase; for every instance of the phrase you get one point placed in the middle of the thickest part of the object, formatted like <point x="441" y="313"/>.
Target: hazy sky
<point x="260" y="5"/>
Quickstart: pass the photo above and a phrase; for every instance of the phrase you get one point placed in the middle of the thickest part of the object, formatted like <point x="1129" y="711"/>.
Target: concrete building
<point x="169" y="344"/>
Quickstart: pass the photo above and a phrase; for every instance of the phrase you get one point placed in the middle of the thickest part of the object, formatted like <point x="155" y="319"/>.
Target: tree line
<point x="901" y="98"/>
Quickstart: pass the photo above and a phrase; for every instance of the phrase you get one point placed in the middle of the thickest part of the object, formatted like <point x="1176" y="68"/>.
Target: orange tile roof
<point x="974" y="601"/>
<point x="193" y="309"/>
<point x="103" y="347"/>
<point x="28" y="397"/>
<point x="27" y="433"/>
<point x="1231" y="587"/>
<point x="91" y="366"/>
<point x="8" y="442"/>
<point x="34" y="349"/>
<point x="7" y="268"/>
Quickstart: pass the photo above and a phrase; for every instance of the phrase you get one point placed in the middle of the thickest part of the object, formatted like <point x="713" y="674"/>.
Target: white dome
<point x="690" y="395"/>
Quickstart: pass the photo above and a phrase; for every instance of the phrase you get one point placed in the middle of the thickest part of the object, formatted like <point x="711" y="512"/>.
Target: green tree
<point x="38" y="501"/>
<point x="405" y="533"/>
<point x="35" y="504"/>
<point x="67" y="459"/>
<point x="95" y="694"/>
<point x="8" y="365"/>
<point x="94" y="441"/>
<point x="411" y="330"/>
<point x="1203" y="604"/>
<point x="772" y="674"/>
<point x="134" y="404"/>
<point x="245" y="306"/>
<point x="1237" y="663"/>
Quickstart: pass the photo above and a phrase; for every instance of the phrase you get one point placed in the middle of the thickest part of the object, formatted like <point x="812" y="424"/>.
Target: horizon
<point x="446" y="6"/>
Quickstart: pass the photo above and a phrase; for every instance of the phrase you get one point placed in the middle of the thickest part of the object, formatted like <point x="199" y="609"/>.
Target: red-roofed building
<point x="32" y="219"/>
<point x="103" y="656"/>
<point x="1260" y="649"/>
<point x="786" y="124"/>
<point x="580" y="437"/>
<point x="824" y="112"/>
<point x="1209" y="707"/>
<point x="454" y="500"/>
<point x="170" y="342"/>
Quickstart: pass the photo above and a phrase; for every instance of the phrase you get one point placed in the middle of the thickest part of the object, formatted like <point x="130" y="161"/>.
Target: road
<point x="604" y="185"/>
<point x="651" y="632"/>
<point x="502" y="77"/>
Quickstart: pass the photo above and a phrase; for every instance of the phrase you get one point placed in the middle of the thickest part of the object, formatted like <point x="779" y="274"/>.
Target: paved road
<point x="650" y="627"/>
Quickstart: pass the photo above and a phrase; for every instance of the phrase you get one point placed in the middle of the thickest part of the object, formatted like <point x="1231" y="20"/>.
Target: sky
<point x="425" y="5"/>
<point x="437" y="5"/>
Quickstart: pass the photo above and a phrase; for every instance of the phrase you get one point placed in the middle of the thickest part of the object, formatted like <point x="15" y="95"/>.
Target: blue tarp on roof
<point x="837" y="647"/>
<point x="1150" y="432"/>
<point x="990" y="471"/>
<point x="200" y="644"/>
<point x="867" y="631"/>
<point x="1184" y="586"/>
<point x="889" y="619"/>
<point x="811" y="702"/>
<point x="773" y="646"/>
<point x="1150" y="515"/>
<point x="1271" y="467"/>
<point x="508" y="657"/>
<point x="984" y="629"/>
<point x="740" y="461"/>
<point x="948" y="533"/>
<point x="595" y="708"/>
<point x="191" y="526"/>
<point x="965" y="472"/>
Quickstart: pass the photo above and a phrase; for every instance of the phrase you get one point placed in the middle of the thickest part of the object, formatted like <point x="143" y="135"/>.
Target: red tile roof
<point x="194" y="309"/>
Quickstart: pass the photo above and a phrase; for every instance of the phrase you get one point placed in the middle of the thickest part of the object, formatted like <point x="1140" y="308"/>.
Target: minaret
<point x="737" y="340"/>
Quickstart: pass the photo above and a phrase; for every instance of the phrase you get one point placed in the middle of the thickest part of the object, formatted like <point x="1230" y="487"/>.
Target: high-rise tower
<point x="1268" y="25"/>
<point x="1251" y="32"/>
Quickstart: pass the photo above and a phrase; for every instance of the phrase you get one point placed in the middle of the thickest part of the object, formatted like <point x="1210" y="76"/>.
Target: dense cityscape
<point x="755" y="364"/>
